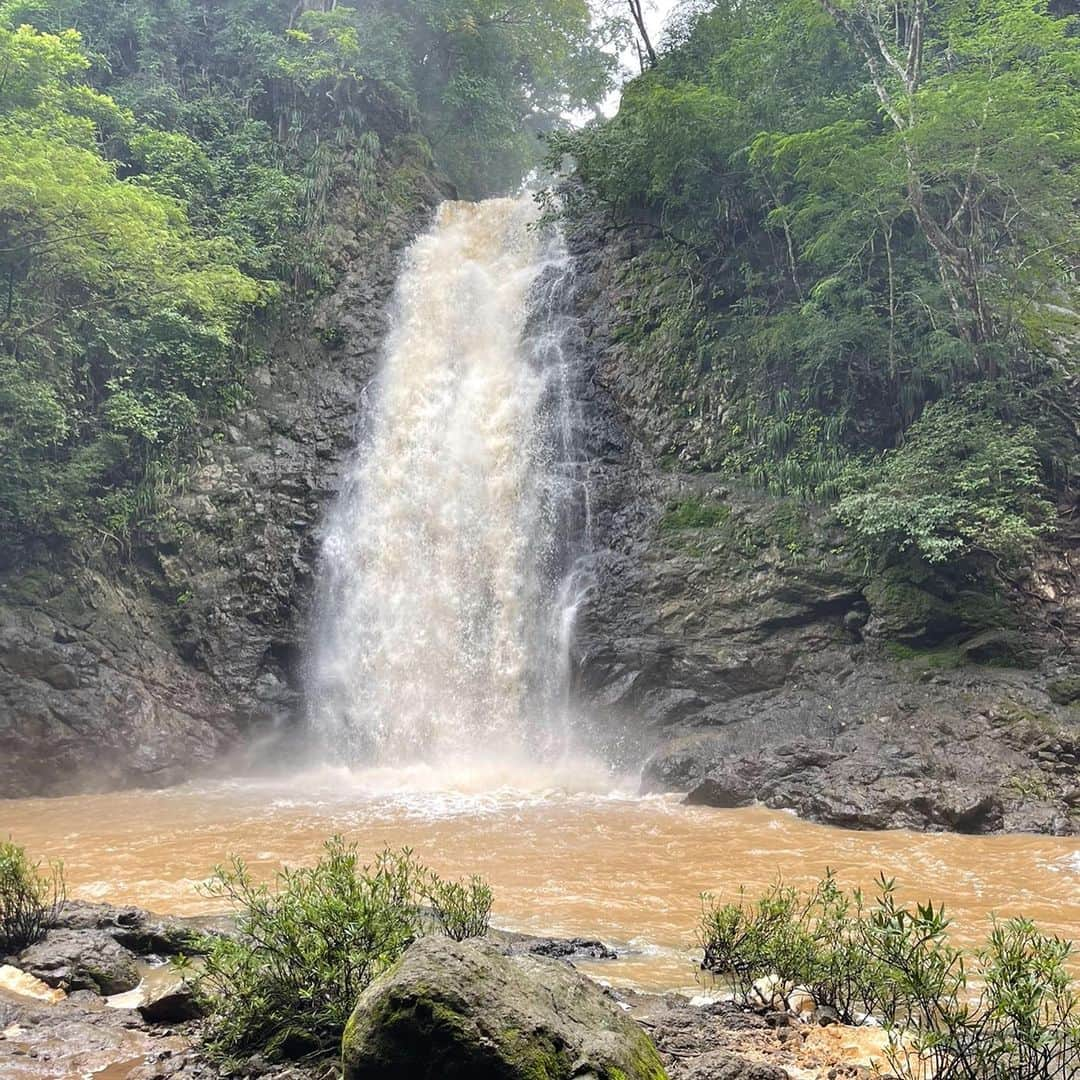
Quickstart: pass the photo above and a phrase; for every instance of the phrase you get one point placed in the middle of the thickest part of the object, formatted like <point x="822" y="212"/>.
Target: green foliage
<point x="1023" y="1022"/>
<point x="285" y="987"/>
<point x="1012" y="1012"/>
<point x="313" y="87"/>
<point x="962" y="483"/>
<point x="30" y="898"/>
<point x="816" y="941"/>
<point x="847" y="244"/>
<point x="170" y="168"/>
<point x="694" y="514"/>
<point x="462" y="909"/>
<point x="118" y="317"/>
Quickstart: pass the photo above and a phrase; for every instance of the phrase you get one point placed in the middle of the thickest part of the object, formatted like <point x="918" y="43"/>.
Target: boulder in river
<point x="466" y="1011"/>
<point x="81" y="960"/>
<point x="171" y="1004"/>
<point x="135" y="929"/>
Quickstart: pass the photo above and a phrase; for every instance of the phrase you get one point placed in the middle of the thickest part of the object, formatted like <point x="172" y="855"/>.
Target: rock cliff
<point x="734" y="641"/>
<point x="145" y="665"/>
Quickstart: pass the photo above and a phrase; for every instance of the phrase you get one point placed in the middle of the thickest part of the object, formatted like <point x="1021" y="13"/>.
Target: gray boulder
<point x="467" y="1011"/>
<point x="81" y="960"/>
<point x="171" y="1004"/>
<point x="135" y="929"/>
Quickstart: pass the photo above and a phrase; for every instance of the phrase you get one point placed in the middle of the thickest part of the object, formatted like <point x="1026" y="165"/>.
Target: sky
<point x="656" y="13"/>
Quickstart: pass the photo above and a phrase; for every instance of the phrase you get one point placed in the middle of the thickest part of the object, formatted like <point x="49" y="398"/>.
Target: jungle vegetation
<point x="166" y="171"/>
<point x="863" y="221"/>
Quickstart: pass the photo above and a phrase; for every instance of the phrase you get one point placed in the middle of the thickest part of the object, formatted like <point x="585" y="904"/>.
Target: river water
<point x="568" y="853"/>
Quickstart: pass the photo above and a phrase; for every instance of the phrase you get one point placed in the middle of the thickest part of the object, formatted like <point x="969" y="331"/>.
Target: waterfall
<point x="451" y="566"/>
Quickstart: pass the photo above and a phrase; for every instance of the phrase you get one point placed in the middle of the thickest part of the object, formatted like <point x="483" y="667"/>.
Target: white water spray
<point x="447" y="603"/>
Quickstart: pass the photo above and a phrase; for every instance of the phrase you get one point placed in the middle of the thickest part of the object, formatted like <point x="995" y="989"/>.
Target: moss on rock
<point x="452" y="1011"/>
<point x="911" y="606"/>
<point x="1065" y="691"/>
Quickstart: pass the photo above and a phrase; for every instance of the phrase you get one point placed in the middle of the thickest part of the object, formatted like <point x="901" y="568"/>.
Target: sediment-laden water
<point x="568" y="853"/>
<point x="442" y="616"/>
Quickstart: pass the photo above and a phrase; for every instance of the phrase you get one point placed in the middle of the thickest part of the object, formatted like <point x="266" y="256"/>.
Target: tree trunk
<point x="645" y="48"/>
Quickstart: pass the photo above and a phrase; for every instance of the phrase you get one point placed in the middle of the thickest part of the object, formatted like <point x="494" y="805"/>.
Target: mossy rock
<point x="904" y="612"/>
<point x="81" y="960"/>
<point x="1000" y="648"/>
<point x="1065" y="691"/>
<point x="465" y="1011"/>
<point x="916" y="609"/>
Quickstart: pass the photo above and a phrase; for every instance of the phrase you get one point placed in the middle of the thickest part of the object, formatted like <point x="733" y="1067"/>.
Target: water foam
<point x="447" y="592"/>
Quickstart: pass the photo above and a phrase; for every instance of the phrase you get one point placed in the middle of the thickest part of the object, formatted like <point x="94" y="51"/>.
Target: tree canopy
<point x="167" y="168"/>
<point x="876" y="210"/>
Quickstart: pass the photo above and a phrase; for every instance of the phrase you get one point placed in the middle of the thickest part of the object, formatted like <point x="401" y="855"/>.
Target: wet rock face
<point x="466" y="1010"/>
<point x="131" y="927"/>
<point x="73" y="960"/>
<point x="144" y="666"/>
<point x="733" y="646"/>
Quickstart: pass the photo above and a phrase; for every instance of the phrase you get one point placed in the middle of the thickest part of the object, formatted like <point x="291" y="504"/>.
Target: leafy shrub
<point x="462" y="909"/>
<point x="814" y="940"/>
<point x="963" y="484"/>
<point x="30" y="898"/>
<point x="285" y="987"/>
<point x="1013" y="1013"/>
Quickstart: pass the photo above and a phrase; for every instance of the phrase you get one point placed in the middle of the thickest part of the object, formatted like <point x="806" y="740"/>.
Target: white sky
<point x="656" y="12"/>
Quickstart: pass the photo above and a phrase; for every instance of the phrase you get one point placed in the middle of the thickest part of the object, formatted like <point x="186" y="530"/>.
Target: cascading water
<point x="447" y="591"/>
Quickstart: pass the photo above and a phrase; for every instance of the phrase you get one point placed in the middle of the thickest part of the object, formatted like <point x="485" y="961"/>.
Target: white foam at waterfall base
<point x="421" y="791"/>
<point x="442" y="620"/>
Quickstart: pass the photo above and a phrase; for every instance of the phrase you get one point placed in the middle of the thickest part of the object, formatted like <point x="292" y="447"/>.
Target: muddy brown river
<point x="571" y="853"/>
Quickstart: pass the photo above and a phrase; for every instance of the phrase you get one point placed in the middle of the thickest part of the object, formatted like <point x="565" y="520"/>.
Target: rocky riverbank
<point x="72" y="1027"/>
<point x="736" y="643"/>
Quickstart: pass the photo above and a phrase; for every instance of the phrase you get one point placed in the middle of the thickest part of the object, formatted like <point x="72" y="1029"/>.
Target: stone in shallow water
<point x="170" y="1005"/>
<point x="81" y="960"/>
<point x="467" y="1011"/>
<point x="572" y="949"/>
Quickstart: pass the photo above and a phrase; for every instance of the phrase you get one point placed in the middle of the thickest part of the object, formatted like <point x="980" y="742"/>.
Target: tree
<point x="990" y="198"/>
<point x="97" y="273"/>
<point x="645" y="45"/>
<point x="849" y="212"/>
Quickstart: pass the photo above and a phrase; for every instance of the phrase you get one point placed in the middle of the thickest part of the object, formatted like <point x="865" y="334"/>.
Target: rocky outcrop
<point x="133" y="928"/>
<point x="96" y="947"/>
<point x="733" y="643"/>
<point x="466" y="1009"/>
<point x="142" y="665"/>
<point x="81" y="960"/>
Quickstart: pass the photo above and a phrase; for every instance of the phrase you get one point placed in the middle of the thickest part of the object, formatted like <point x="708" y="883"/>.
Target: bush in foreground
<point x="285" y="987"/>
<point x="1012" y="1012"/>
<point x="30" y="898"/>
